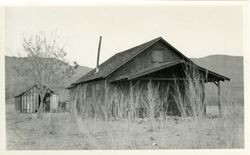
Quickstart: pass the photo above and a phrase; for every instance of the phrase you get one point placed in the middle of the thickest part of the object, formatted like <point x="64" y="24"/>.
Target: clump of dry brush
<point x="189" y="97"/>
<point x="192" y="106"/>
<point x="115" y="115"/>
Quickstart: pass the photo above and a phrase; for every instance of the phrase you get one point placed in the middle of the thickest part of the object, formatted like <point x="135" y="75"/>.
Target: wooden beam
<point x="219" y="98"/>
<point x="25" y="103"/>
<point x="162" y="79"/>
<point x="216" y="83"/>
<point x="203" y="98"/>
<point x="33" y="101"/>
<point x="36" y="100"/>
<point x="28" y="108"/>
<point x="165" y="79"/>
<point x="22" y="105"/>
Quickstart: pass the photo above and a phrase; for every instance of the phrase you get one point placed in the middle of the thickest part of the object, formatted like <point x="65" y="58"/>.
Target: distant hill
<point x="15" y="83"/>
<point x="230" y="66"/>
<point x="82" y="70"/>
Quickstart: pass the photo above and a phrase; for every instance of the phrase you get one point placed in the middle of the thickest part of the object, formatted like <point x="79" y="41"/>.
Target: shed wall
<point x="123" y="99"/>
<point x="53" y="102"/>
<point x="28" y="101"/>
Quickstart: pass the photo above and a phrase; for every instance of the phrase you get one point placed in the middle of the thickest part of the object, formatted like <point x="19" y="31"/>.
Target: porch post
<point x="219" y="98"/>
<point x="203" y="98"/>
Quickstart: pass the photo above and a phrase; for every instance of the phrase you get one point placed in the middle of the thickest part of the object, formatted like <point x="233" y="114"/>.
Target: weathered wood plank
<point x="163" y="79"/>
<point x="17" y="104"/>
<point x="28" y="102"/>
<point x="203" y="97"/>
<point x="22" y="101"/>
<point x="32" y="101"/>
<point x="219" y="98"/>
<point x="36" y="100"/>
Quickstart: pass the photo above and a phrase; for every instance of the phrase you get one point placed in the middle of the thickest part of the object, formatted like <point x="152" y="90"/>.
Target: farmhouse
<point x="28" y="100"/>
<point x="128" y="83"/>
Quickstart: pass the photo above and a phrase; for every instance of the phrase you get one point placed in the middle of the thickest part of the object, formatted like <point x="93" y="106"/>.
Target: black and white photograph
<point x="124" y="77"/>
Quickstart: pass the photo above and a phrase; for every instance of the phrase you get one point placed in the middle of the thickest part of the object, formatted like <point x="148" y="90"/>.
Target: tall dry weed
<point x="190" y="102"/>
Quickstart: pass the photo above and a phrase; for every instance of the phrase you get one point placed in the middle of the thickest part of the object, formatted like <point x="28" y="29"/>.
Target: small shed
<point x="155" y="61"/>
<point x="28" y="100"/>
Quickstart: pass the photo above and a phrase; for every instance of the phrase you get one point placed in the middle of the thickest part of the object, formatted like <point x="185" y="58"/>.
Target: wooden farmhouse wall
<point x="159" y="70"/>
<point x="86" y="96"/>
<point x="157" y="53"/>
<point x="92" y="93"/>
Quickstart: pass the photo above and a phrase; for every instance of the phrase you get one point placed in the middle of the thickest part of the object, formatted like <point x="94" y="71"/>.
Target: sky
<point x="196" y="31"/>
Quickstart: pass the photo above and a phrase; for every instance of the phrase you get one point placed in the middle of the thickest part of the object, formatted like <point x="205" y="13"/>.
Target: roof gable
<point x="119" y="59"/>
<point x="116" y="61"/>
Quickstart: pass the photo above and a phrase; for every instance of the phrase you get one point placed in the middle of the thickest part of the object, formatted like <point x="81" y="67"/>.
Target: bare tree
<point x="44" y="64"/>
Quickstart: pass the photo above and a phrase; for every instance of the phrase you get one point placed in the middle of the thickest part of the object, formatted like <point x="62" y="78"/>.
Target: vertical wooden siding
<point x="27" y="102"/>
<point x="36" y="100"/>
<point x="18" y="104"/>
<point x="53" y="102"/>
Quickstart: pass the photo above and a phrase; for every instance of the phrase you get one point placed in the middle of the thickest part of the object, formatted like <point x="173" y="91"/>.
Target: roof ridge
<point x="118" y="64"/>
<point x="158" y="38"/>
<point x="151" y="42"/>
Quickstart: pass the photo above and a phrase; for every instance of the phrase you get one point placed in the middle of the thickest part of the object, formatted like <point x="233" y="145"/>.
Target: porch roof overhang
<point x="161" y="66"/>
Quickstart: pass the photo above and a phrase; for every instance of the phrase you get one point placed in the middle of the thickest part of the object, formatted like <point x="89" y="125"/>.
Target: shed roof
<point x="121" y="58"/>
<point x="27" y="88"/>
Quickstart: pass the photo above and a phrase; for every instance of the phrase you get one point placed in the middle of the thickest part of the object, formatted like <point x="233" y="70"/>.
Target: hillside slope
<point x="230" y="66"/>
<point x="15" y="83"/>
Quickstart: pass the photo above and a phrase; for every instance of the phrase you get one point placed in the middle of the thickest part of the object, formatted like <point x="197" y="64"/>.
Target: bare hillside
<point x="15" y="83"/>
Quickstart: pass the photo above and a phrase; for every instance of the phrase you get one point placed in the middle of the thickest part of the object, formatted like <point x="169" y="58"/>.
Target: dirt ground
<point x="59" y="131"/>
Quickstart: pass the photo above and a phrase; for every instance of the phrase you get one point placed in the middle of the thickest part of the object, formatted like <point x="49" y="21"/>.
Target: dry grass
<point x="192" y="104"/>
<point x="26" y="132"/>
<point x="114" y="124"/>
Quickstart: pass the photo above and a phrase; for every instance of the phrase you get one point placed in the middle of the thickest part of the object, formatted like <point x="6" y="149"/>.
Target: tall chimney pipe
<point x="98" y="55"/>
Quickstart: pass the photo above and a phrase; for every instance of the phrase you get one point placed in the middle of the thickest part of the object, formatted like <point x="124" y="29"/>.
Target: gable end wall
<point x="144" y="60"/>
